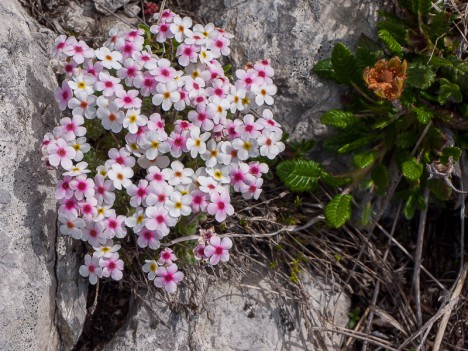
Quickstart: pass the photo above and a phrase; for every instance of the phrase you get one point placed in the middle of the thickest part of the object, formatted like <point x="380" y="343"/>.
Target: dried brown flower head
<point x="386" y="78"/>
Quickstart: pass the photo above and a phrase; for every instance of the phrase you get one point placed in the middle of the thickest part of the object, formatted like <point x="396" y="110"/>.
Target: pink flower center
<point x="61" y="45"/>
<point x="157" y="177"/>
<point x="148" y="235"/>
<point x="78" y="49"/>
<point x="248" y="128"/>
<point x="70" y="127"/>
<point x="128" y="48"/>
<point x="188" y="51"/>
<point x="82" y="186"/>
<point x="166" y="255"/>
<point x="87" y="208"/>
<point x="111" y="265"/>
<point x="248" y="80"/>
<point x="148" y="82"/>
<point x="252" y="188"/>
<point x="262" y="74"/>
<point x="91" y="268"/>
<point x="66" y="185"/>
<point x="219" y="91"/>
<point x="165" y="73"/>
<point x="112" y="224"/>
<point x="131" y="71"/>
<point x="160" y="219"/>
<point x="238" y="176"/>
<point x="70" y="204"/>
<point x="127" y="99"/>
<point x="62" y="152"/>
<point x="109" y="84"/>
<point x="93" y="233"/>
<point x="168" y="277"/>
<point x="161" y="197"/>
<point x="120" y="160"/>
<point x="221" y="205"/>
<point x="219" y="44"/>
<point x="163" y="28"/>
<point x="101" y="190"/>
<point x="141" y="192"/>
<point x="65" y="95"/>
<point x="218" y="250"/>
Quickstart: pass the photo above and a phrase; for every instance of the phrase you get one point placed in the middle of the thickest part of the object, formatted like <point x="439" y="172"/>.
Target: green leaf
<point x="381" y="178"/>
<point x="357" y="144"/>
<point x="390" y="42"/>
<point x="423" y="114"/>
<point x="405" y="140"/>
<point x="422" y="7"/>
<point x="410" y="207"/>
<point x="335" y="181"/>
<point x="364" y="159"/>
<point x="439" y="62"/>
<point x="338" y="210"/>
<point x="343" y="63"/>
<point x="412" y="169"/>
<point x="440" y="26"/>
<point x="458" y="73"/>
<point x="299" y="175"/>
<point x="454" y="152"/>
<point x="447" y="90"/>
<point x="420" y="76"/>
<point x="367" y="52"/>
<point x="324" y="69"/>
<point x="366" y="213"/>
<point x="440" y="189"/>
<point x="338" y="118"/>
<point x="396" y="28"/>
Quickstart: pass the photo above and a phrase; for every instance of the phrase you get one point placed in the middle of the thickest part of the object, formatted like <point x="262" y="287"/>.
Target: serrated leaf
<point x="335" y="181"/>
<point x="324" y="69"/>
<point x="458" y="73"/>
<point x="440" y="26"/>
<point x="412" y="169"/>
<point x="405" y="140"/>
<point x="381" y="178"/>
<point x="439" y="62"/>
<point x="367" y="52"/>
<point x="454" y="152"/>
<point x="421" y="6"/>
<point x="423" y="114"/>
<point x="343" y="63"/>
<point x="338" y="118"/>
<point x="420" y="76"/>
<point x="299" y="175"/>
<point x="396" y="28"/>
<point x="357" y="144"/>
<point x="364" y="159"/>
<point x="448" y="90"/>
<point x="390" y="42"/>
<point x="338" y="210"/>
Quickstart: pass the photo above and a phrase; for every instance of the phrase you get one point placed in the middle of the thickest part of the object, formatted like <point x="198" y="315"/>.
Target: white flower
<point x="181" y="28"/>
<point x="177" y="174"/>
<point x="178" y="205"/>
<point x="154" y="146"/>
<point x="167" y="95"/>
<point x="111" y="117"/>
<point x="83" y="83"/>
<point x="150" y="267"/>
<point x="120" y="176"/>
<point x="270" y="144"/>
<point x="71" y="225"/>
<point x="133" y="119"/>
<point x="81" y="147"/>
<point x="196" y="143"/>
<point x="110" y="59"/>
<point x="264" y="93"/>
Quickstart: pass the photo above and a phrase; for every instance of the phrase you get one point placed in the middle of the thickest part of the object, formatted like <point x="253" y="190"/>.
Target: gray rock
<point x="27" y="208"/>
<point x="294" y="35"/>
<point x="72" y="291"/>
<point x="132" y="10"/>
<point x="108" y="7"/>
<point x="247" y="316"/>
<point x="78" y="18"/>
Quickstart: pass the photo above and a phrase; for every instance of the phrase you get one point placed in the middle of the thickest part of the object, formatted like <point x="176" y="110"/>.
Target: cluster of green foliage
<point x="400" y="139"/>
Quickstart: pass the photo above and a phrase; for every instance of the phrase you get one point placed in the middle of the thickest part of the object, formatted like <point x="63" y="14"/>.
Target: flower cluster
<point x="196" y="116"/>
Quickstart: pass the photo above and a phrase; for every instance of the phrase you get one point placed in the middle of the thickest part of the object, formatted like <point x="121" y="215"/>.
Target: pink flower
<point x="199" y="252"/>
<point x="218" y="250"/>
<point x="94" y="234"/>
<point x="104" y="190"/>
<point x="167" y="257"/>
<point x="60" y="153"/>
<point x="77" y="50"/>
<point x="83" y="186"/>
<point x="91" y="269"/>
<point x="114" y="226"/>
<point x="138" y="193"/>
<point x="72" y="225"/>
<point x="187" y="54"/>
<point x="149" y="238"/>
<point x="108" y="84"/>
<point x="88" y="208"/>
<point x="159" y="219"/>
<point x="220" y="206"/>
<point x="127" y="99"/>
<point x="112" y="266"/>
<point x="63" y="94"/>
<point x="63" y="190"/>
<point x="72" y="128"/>
<point x="164" y="73"/>
<point x="168" y="278"/>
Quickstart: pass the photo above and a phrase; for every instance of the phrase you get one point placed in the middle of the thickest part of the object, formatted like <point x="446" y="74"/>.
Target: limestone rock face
<point x="246" y="316"/>
<point x="294" y="34"/>
<point x="27" y="205"/>
<point x="108" y="7"/>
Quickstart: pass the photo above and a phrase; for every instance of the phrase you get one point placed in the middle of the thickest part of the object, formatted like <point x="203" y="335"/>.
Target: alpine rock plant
<point x="155" y="131"/>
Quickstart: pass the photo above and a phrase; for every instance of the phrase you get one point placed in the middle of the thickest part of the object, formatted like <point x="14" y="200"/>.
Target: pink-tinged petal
<point x="209" y="251"/>
<point x="161" y="271"/>
<point x="215" y="240"/>
<point x="120" y="264"/>
<point x="172" y="268"/>
<point x="116" y="274"/>
<point x="159" y="282"/>
<point x="226" y="243"/>
<point x="224" y="256"/>
<point x="84" y="271"/>
<point x="93" y="278"/>
<point x="178" y="276"/>
<point x="171" y="287"/>
<point x="214" y="260"/>
<point x="220" y="216"/>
